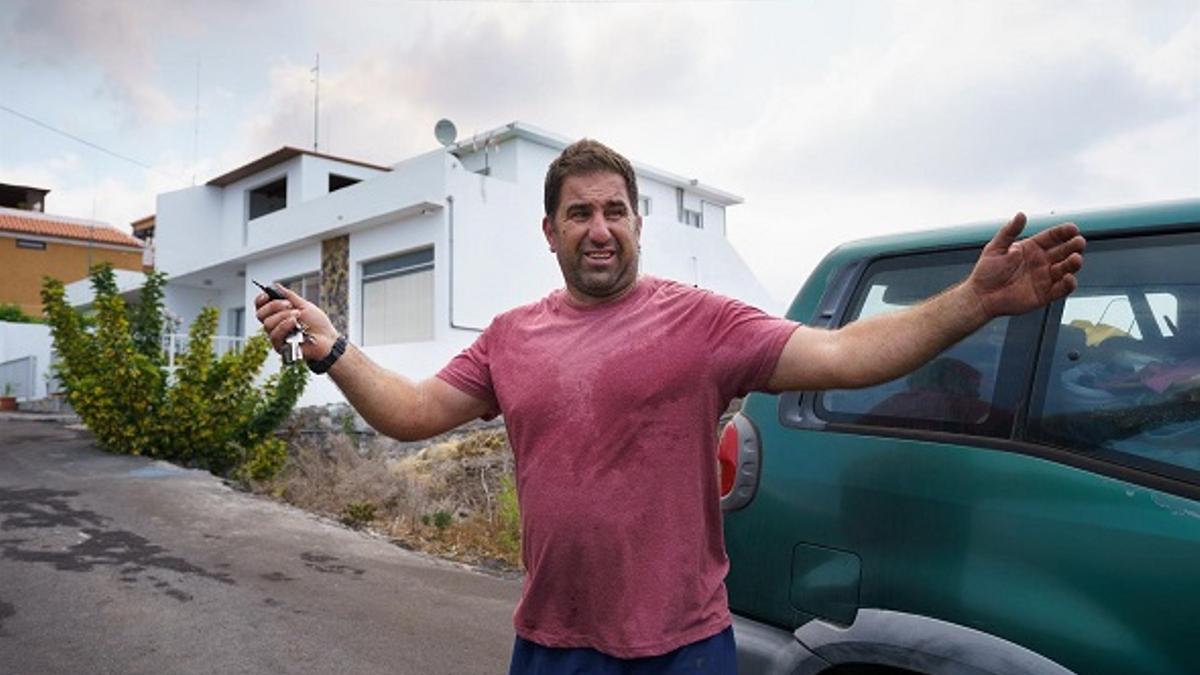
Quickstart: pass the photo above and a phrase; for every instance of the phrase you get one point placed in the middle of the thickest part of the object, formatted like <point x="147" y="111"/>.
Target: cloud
<point x="113" y="197"/>
<point x="580" y="68"/>
<point x="971" y="112"/>
<point x="44" y="174"/>
<point x="1160" y="161"/>
<point x="968" y="95"/>
<point x="833" y="120"/>
<point x="113" y="37"/>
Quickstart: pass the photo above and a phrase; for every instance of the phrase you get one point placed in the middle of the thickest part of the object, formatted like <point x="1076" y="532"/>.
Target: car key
<point x="291" y="352"/>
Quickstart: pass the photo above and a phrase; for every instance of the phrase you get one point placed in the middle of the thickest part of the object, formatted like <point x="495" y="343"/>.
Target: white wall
<point x="227" y="301"/>
<point x="662" y="199"/>
<point x="186" y="302"/>
<point x="500" y="256"/>
<point x="535" y="158"/>
<point x="187" y="229"/>
<point x="379" y="200"/>
<point x="500" y="159"/>
<point x="665" y="207"/>
<point x="714" y="218"/>
<point x="19" y="340"/>
<point x="236" y="231"/>
<point x="676" y="251"/>
<point x="313" y="175"/>
<point x="205" y="226"/>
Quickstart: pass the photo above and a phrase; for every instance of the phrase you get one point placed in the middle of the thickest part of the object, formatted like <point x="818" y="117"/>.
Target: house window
<point x="268" y="199"/>
<point x="31" y="244"/>
<point x="643" y="206"/>
<point x="307" y="286"/>
<point x="237" y="321"/>
<point x="397" y="298"/>
<point x="337" y="182"/>
<point x="685" y="215"/>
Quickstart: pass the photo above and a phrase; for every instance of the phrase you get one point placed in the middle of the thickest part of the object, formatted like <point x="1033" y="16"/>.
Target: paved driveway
<point x="116" y="564"/>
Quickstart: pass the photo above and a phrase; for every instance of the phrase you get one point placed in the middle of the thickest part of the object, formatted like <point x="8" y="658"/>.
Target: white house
<point x="412" y="261"/>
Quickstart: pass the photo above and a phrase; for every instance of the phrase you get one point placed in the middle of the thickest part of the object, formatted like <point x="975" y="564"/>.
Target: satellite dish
<point x="445" y="132"/>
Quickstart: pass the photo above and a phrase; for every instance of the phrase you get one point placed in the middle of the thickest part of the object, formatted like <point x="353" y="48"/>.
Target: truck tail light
<point x="738" y="460"/>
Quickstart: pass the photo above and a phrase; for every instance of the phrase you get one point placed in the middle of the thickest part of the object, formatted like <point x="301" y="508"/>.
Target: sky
<point x="832" y="120"/>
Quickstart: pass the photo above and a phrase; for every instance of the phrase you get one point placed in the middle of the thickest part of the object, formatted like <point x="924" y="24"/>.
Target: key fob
<point x="272" y="292"/>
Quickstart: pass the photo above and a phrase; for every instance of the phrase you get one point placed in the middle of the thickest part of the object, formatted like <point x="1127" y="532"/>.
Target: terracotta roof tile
<point x="38" y="224"/>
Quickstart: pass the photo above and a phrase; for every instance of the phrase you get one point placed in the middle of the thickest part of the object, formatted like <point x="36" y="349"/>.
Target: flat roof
<point x="519" y="129"/>
<point x="278" y="157"/>
<point x="24" y="187"/>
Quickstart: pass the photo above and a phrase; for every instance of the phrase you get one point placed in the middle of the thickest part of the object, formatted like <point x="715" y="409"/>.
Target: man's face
<point x="594" y="233"/>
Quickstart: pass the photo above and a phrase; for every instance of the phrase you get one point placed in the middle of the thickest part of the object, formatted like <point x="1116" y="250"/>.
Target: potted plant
<point x="8" y="401"/>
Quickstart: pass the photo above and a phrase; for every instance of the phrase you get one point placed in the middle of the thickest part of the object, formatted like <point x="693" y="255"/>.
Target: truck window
<point x="1119" y="373"/>
<point x="957" y="390"/>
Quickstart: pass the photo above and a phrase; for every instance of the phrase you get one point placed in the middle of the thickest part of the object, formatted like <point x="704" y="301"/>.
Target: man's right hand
<point x="279" y="318"/>
<point x="390" y="402"/>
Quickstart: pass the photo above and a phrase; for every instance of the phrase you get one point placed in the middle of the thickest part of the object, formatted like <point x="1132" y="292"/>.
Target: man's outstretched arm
<point x="389" y="402"/>
<point x="1011" y="277"/>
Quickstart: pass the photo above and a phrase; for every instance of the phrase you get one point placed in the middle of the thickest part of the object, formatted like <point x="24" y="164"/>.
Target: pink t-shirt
<point x="611" y="411"/>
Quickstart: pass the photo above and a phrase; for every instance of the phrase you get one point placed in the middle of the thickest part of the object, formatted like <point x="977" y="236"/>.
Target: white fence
<point x="21" y="341"/>
<point x="18" y="377"/>
<point x="26" y="356"/>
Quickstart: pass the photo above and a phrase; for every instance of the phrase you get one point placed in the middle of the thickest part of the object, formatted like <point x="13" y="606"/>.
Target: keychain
<point x="291" y="352"/>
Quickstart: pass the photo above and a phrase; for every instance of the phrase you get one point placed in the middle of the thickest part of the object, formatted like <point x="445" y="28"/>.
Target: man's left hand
<point x="1014" y="277"/>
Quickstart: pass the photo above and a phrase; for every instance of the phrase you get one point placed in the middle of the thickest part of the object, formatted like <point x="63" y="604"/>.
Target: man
<point x="610" y="389"/>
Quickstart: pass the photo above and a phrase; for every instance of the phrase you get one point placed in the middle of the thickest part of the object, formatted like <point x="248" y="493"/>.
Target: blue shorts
<point x="716" y="655"/>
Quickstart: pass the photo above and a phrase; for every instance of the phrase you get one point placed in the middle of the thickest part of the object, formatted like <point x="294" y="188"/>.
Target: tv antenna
<point x="316" y="71"/>
<point x="196" y="125"/>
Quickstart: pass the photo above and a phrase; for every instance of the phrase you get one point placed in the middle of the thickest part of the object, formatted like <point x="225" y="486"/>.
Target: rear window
<point x="1119" y="375"/>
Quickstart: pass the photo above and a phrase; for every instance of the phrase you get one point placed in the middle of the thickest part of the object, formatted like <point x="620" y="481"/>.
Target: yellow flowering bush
<point x="208" y="413"/>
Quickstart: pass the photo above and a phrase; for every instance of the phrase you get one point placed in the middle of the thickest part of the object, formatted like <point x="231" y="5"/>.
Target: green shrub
<point x="207" y="414"/>
<point x="347" y="423"/>
<point x="508" y="513"/>
<point x="13" y="314"/>
<point x="358" y="514"/>
<point x="440" y="519"/>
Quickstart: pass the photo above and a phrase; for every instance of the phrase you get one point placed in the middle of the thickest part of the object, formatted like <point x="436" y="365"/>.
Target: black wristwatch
<point x="322" y="366"/>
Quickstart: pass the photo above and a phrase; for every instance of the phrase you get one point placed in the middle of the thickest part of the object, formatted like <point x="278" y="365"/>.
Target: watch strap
<point x="323" y="366"/>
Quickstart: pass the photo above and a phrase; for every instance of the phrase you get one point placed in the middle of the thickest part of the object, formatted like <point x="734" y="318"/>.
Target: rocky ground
<point x="452" y="495"/>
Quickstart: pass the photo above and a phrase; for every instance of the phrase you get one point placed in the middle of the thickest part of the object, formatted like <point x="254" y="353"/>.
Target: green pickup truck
<point x="1028" y="502"/>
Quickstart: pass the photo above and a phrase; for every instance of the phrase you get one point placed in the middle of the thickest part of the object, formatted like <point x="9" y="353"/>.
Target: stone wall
<point x="335" y="281"/>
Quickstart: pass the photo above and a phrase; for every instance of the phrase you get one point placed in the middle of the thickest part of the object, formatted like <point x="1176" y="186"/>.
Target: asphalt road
<point x="117" y="564"/>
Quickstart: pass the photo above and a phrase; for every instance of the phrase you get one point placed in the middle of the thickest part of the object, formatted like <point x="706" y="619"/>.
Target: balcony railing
<point x="175" y="344"/>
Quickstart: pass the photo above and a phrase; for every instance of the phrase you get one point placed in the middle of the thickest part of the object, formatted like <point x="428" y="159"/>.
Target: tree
<point x="208" y="413"/>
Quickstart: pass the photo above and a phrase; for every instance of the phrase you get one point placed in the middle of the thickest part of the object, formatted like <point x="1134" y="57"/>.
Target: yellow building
<point x="35" y="245"/>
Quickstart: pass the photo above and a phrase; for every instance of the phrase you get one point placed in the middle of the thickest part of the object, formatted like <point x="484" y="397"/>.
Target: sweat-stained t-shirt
<point x="611" y="412"/>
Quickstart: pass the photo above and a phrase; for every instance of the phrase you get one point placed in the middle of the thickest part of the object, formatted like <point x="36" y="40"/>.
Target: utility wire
<point x="34" y="120"/>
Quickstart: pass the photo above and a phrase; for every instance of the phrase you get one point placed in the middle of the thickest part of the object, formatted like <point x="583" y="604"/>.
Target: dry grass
<point x="453" y="498"/>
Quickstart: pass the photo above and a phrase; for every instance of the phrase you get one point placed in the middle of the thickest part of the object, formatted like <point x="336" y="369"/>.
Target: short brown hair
<point x="587" y="157"/>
